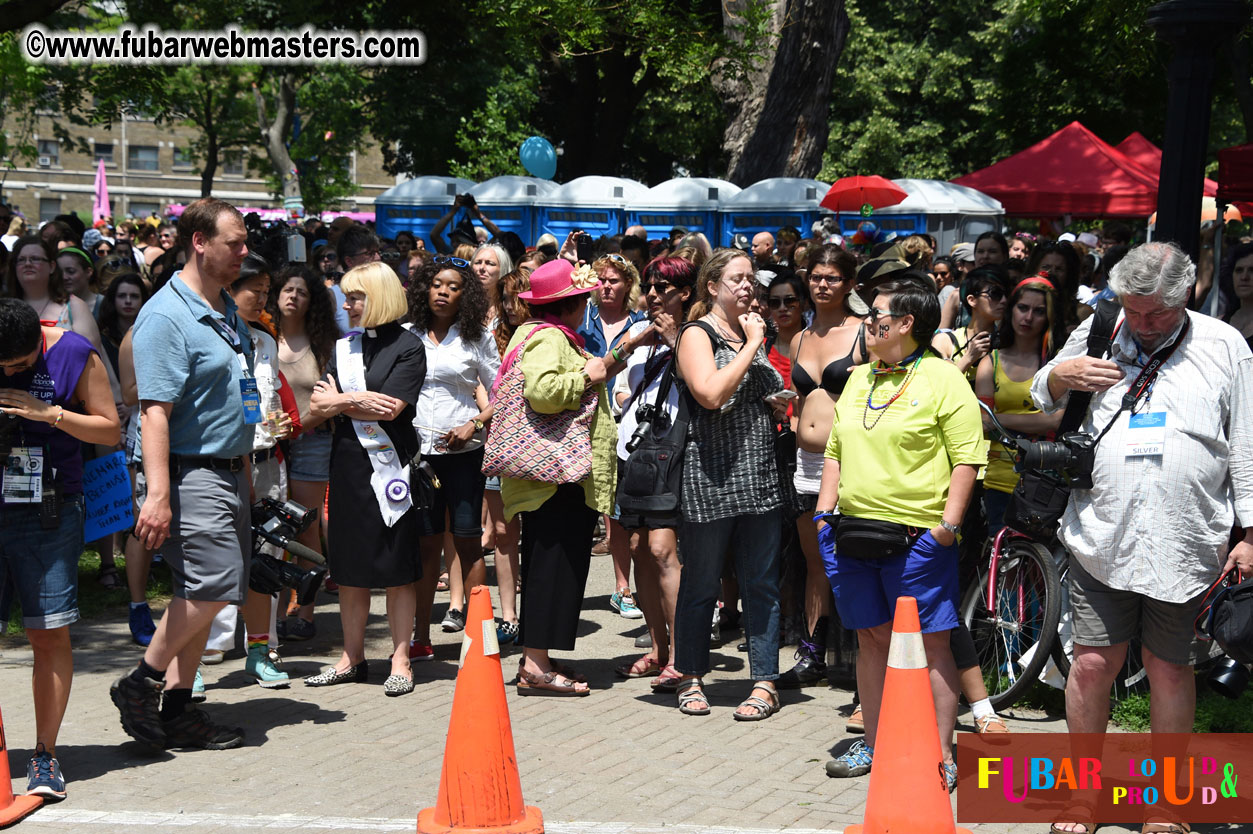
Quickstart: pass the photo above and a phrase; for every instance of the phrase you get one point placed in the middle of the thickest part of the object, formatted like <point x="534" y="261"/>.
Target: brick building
<point x="148" y="168"/>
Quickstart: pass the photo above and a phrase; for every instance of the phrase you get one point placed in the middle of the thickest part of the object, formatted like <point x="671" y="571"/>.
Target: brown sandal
<point x="651" y="668"/>
<point x="548" y="685"/>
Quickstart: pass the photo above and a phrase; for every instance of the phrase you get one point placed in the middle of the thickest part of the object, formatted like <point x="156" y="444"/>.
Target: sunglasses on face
<point x="993" y="294"/>
<point x="787" y="301"/>
<point x="662" y="287"/>
<point x="874" y="314"/>
<point x="460" y="263"/>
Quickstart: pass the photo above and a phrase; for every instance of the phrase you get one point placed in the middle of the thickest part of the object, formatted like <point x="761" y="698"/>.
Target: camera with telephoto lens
<point x="1072" y="454"/>
<point x="645" y="416"/>
<point x="277" y="523"/>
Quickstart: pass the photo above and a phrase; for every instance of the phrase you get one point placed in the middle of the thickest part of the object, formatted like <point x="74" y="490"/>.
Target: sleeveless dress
<point x="1010" y="398"/>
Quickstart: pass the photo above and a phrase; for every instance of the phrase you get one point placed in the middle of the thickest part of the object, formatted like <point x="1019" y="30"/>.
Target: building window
<point x="143" y="158"/>
<point x="49" y="207"/>
<point x="141" y="210"/>
<point x="49" y="152"/>
<point x="183" y="158"/>
<point x="233" y="163"/>
<point x="104" y="151"/>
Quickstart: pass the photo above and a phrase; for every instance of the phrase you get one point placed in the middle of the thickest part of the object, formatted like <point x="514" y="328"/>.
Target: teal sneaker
<point x="263" y="665"/>
<point x="855" y="761"/>
<point x="197" y="689"/>
<point x="624" y="604"/>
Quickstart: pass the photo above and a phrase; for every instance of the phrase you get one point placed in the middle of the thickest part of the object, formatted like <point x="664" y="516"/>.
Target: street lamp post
<point x="1195" y="29"/>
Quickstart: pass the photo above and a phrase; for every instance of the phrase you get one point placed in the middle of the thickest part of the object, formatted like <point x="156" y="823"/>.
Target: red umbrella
<point x="851" y="193"/>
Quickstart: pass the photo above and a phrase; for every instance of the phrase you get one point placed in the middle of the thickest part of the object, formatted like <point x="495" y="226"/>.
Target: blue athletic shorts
<point x="866" y="590"/>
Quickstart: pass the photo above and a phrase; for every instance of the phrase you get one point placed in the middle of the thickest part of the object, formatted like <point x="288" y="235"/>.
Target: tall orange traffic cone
<point x="907" y="759"/>
<point x="479" y="789"/>
<point x="12" y="808"/>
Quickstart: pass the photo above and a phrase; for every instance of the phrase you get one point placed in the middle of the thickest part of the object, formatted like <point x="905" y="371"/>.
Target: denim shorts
<point x="309" y="456"/>
<point x="866" y="589"/>
<point x="460" y="494"/>
<point x="39" y="567"/>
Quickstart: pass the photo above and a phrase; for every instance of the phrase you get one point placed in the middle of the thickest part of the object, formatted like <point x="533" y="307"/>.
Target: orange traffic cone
<point x="12" y="808"/>
<point x="480" y="789"/>
<point x="907" y="759"/>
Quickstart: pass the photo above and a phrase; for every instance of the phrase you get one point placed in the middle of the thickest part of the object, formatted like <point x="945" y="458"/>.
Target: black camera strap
<point x="1144" y="381"/>
<point x="1099" y="339"/>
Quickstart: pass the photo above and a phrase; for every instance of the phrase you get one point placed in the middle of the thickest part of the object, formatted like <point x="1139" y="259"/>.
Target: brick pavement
<point x="347" y="758"/>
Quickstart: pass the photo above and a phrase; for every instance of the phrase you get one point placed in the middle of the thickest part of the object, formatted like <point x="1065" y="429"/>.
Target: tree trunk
<point x="777" y="115"/>
<point x="1238" y="53"/>
<point x="274" y="133"/>
<point x="211" y="145"/>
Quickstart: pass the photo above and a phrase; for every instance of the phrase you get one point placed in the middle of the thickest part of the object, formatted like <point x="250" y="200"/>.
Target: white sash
<point x="390" y="480"/>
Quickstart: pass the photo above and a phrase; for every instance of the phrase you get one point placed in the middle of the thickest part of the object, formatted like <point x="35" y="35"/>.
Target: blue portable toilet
<point x="594" y="204"/>
<point x="949" y="212"/>
<point x="416" y="205"/>
<point x="509" y="202"/>
<point x="691" y="202"/>
<point x="772" y="203"/>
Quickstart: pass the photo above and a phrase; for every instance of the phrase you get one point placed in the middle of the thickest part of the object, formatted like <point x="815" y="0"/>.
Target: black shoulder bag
<point x="652" y="476"/>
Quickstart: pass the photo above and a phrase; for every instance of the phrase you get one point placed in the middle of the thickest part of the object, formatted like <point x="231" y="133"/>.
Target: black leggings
<point x="556" y="552"/>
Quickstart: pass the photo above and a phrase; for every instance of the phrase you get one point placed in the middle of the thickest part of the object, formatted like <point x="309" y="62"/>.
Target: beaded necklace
<point x="883" y="370"/>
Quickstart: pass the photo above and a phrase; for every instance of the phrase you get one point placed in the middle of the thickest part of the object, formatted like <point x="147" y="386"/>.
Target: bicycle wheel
<point x="1013" y="631"/>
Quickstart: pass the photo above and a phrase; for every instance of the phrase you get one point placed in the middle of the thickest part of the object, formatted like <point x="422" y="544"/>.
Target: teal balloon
<point x="538" y="157"/>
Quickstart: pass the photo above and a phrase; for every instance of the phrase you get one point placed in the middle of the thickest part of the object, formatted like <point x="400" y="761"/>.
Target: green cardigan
<point x="553" y="372"/>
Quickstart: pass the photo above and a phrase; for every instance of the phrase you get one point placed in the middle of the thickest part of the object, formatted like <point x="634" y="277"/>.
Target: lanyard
<point x="1143" y="383"/>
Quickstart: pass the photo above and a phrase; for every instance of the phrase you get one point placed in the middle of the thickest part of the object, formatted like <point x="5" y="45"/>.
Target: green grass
<point x="1214" y="713"/>
<point x="95" y="602"/>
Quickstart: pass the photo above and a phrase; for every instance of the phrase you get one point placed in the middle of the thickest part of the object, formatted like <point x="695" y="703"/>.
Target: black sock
<point x="175" y="703"/>
<point x="143" y="670"/>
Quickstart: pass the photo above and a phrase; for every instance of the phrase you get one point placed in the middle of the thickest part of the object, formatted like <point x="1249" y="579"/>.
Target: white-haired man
<point x="1171" y="476"/>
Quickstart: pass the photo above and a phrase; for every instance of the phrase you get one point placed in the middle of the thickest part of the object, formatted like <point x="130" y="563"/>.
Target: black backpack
<point x="652" y="476"/>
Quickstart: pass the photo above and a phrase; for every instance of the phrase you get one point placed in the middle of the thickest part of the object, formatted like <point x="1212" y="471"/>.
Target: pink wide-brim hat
<point x="555" y="280"/>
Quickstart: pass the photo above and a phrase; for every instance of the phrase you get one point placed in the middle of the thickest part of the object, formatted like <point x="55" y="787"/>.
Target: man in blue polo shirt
<point x="199" y="402"/>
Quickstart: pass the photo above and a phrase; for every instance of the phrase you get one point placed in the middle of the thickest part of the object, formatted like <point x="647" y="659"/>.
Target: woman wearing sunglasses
<point x="788" y="302"/>
<point x="824" y="355"/>
<point x="983" y="307"/>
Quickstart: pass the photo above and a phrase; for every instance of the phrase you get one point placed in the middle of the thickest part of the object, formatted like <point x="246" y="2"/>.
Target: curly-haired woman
<point x="447" y="308"/>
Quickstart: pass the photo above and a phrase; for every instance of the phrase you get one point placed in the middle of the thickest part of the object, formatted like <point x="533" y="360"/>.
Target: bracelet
<point x="60" y="414"/>
<point x="616" y="354"/>
<point x="587" y="379"/>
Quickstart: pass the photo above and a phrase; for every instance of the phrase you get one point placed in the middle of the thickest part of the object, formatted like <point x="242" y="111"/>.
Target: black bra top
<point x="834" y="375"/>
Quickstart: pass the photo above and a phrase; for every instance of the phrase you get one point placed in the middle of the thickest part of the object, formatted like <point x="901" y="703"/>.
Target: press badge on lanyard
<point x="1146" y="434"/>
<point x="23" y="475"/>
<point x="248" y="391"/>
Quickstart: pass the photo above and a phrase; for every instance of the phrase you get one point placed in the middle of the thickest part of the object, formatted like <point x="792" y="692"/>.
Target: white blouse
<point x="454" y="369"/>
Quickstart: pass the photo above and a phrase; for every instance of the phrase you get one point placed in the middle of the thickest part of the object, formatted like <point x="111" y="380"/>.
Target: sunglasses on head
<point x="618" y="259"/>
<point x="787" y="301"/>
<point x="460" y="263"/>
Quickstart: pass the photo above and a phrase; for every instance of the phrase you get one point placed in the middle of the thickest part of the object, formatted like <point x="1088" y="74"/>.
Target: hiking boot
<point x="194" y="729"/>
<point x="263" y="665"/>
<point x="139" y="703"/>
<point x="810" y="668"/>
<point x="855" y="761"/>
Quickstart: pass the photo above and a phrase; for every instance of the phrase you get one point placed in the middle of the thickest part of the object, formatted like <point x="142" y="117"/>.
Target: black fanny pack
<point x="868" y="538"/>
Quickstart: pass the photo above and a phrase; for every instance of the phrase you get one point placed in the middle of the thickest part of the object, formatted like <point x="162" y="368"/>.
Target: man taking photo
<point x="199" y="402"/>
<point x="1171" y="474"/>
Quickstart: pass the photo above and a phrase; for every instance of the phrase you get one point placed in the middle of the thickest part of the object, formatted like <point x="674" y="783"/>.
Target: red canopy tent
<point x="1071" y="172"/>
<point x="1235" y="174"/>
<point x="1149" y="156"/>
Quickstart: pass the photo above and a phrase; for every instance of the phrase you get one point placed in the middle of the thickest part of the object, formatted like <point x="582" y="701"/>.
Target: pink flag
<point x="100" y="206"/>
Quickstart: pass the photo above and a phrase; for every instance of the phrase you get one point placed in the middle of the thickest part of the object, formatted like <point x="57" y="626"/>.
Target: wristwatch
<point x="952" y="528"/>
<point x="478" y="424"/>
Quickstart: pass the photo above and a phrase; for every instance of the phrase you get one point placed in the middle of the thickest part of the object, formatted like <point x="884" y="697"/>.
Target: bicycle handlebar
<point x="1006" y="437"/>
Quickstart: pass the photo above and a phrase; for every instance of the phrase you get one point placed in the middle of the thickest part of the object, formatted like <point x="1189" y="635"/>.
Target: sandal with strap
<point x="689" y="691"/>
<point x="108" y="579"/>
<point x="553" y="685"/>
<point x="644" y="667"/>
<point x="1166" y="827"/>
<point x="668" y="680"/>
<point x="567" y="671"/>
<point x="1078" y="814"/>
<point x="763" y="708"/>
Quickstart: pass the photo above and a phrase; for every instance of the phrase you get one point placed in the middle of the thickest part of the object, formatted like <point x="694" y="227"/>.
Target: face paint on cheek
<point x="884" y="330"/>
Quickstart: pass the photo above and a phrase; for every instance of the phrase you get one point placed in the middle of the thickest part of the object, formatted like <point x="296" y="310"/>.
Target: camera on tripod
<point x="1072" y="454"/>
<point x="277" y="523"/>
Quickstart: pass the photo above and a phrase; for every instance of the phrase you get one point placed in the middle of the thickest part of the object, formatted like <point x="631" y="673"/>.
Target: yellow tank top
<point x="1010" y="398"/>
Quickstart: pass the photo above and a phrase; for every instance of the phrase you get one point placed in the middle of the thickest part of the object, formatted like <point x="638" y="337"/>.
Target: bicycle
<point x="1013" y="607"/>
